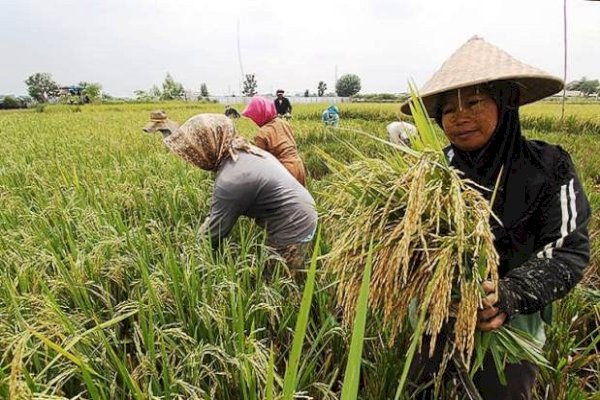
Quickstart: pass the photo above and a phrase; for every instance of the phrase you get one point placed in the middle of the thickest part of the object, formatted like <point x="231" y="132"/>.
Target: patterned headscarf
<point x="260" y="110"/>
<point x="206" y="140"/>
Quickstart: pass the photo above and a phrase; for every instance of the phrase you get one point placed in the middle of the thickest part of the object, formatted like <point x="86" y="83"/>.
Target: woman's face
<point x="469" y="118"/>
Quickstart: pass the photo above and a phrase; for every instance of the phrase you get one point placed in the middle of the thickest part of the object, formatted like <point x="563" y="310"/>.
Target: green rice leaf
<point x="291" y="372"/>
<point x="352" y="374"/>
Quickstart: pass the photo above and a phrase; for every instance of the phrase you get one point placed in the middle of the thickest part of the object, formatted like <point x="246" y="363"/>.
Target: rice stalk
<point x="427" y="231"/>
<point x="16" y="386"/>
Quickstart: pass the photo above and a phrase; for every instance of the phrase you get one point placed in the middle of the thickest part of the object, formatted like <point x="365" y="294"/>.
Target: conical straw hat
<point x="478" y="61"/>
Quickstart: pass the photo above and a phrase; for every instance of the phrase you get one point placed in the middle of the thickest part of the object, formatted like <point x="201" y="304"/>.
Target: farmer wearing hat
<point x="282" y="104"/>
<point x="248" y="181"/>
<point x="160" y="122"/>
<point x="275" y="135"/>
<point x="541" y="234"/>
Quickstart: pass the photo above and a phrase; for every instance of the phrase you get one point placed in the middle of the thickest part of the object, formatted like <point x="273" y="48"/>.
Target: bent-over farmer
<point x="248" y="181"/>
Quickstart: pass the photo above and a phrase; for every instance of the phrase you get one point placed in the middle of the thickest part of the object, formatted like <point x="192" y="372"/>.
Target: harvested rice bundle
<point x="431" y="233"/>
<point x="433" y="247"/>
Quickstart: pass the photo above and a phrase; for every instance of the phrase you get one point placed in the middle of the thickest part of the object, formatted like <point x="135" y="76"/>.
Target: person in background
<point x="331" y="116"/>
<point x="400" y="132"/>
<point x="542" y="212"/>
<point x="231" y="112"/>
<point x="282" y="105"/>
<point x="248" y="181"/>
<point x="275" y="135"/>
<point x="160" y="122"/>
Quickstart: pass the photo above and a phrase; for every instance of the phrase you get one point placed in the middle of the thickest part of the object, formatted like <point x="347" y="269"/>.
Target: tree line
<point x="42" y="88"/>
<point x="348" y="85"/>
<point x="586" y="86"/>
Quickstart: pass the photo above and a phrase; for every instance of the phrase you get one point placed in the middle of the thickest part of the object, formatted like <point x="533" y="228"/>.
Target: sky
<point x="126" y="45"/>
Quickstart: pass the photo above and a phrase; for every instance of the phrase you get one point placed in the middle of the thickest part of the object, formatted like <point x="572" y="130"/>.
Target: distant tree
<point x="154" y="94"/>
<point x="585" y="86"/>
<point x="380" y="97"/>
<point x="41" y="86"/>
<point x="141" y="95"/>
<point x="204" y="90"/>
<point x="11" y="102"/>
<point x="171" y="90"/>
<point x="321" y="88"/>
<point x="250" y="85"/>
<point x="91" y="91"/>
<point x="347" y="85"/>
<point x="306" y="93"/>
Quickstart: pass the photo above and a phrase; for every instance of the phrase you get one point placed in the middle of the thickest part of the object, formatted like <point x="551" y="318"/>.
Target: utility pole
<point x="564" y="96"/>
<point x="335" y="79"/>
<point x="239" y="49"/>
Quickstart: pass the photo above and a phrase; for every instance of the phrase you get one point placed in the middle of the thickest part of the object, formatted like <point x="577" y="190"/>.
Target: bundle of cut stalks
<point x="432" y="244"/>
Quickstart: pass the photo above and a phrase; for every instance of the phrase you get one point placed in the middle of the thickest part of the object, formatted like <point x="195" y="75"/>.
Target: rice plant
<point x="105" y="292"/>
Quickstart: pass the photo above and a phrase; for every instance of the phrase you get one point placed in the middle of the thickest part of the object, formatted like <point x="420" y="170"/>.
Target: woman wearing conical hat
<point x="542" y="239"/>
<point x="248" y="181"/>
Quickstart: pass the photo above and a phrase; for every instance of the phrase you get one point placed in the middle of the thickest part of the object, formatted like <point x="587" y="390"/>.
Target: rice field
<point x="105" y="292"/>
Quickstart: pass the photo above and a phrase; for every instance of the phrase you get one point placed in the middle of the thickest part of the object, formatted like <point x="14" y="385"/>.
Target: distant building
<point x="233" y="99"/>
<point x="72" y="94"/>
<point x="569" y="93"/>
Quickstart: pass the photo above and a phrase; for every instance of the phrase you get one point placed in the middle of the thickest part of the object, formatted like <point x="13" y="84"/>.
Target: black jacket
<point x="543" y="239"/>
<point x="543" y="252"/>
<point x="283" y="106"/>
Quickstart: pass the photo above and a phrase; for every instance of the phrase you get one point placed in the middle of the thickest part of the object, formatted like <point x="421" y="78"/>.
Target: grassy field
<point x="105" y="293"/>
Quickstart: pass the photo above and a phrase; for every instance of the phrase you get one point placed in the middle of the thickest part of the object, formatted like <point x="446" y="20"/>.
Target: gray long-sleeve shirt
<point x="261" y="188"/>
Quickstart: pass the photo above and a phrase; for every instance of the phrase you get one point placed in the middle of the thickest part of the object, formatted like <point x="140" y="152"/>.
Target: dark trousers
<point x="520" y="378"/>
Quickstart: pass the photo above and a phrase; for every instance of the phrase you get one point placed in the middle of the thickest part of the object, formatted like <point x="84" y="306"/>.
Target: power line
<point x="239" y="50"/>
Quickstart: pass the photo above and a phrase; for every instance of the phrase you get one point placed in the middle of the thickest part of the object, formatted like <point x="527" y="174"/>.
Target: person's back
<point x="330" y="116"/>
<point x="231" y="112"/>
<point x="400" y="132"/>
<point x="277" y="138"/>
<point x="258" y="186"/>
<point x="275" y="135"/>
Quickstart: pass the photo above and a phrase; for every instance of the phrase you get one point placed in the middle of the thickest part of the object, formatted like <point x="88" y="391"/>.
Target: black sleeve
<point x="563" y="250"/>
<point x="289" y="106"/>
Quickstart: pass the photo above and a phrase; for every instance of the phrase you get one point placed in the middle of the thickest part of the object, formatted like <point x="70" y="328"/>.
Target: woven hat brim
<point x="532" y="88"/>
<point x="154" y="126"/>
